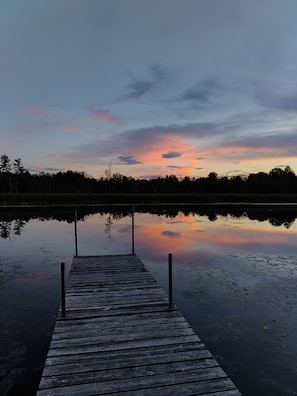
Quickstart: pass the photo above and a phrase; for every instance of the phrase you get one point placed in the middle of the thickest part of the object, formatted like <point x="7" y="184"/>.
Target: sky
<point x="149" y="88"/>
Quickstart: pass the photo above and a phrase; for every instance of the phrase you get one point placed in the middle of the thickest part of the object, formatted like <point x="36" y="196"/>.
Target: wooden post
<point x="75" y="230"/>
<point x="133" y="209"/>
<point x="170" y="305"/>
<point x="63" y="290"/>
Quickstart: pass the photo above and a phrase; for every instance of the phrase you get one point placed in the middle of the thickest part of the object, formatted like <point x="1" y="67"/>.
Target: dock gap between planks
<point x="120" y="338"/>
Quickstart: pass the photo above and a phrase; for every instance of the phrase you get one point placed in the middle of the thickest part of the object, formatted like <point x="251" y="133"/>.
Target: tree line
<point x="15" y="178"/>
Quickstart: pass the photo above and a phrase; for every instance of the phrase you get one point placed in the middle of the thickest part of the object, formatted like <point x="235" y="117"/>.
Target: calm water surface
<point x="235" y="279"/>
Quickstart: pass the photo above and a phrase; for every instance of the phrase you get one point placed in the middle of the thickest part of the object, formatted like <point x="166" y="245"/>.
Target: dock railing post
<point x="170" y="304"/>
<point x="133" y="210"/>
<point x="63" y="290"/>
<point x="75" y="230"/>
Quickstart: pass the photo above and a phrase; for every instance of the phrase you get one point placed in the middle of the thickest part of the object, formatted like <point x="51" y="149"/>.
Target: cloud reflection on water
<point x="223" y="266"/>
<point x="224" y="233"/>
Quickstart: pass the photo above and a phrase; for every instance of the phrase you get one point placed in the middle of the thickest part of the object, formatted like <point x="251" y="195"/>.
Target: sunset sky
<point x="149" y="87"/>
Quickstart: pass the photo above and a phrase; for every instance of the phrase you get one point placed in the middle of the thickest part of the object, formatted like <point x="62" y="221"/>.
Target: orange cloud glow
<point x="160" y="241"/>
<point x="254" y="153"/>
<point x="179" y="233"/>
<point x="222" y="159"/>
<point x="153" y="153"/>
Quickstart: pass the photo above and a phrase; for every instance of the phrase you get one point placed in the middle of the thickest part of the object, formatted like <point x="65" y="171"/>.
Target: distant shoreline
<point x="28" y="199"/>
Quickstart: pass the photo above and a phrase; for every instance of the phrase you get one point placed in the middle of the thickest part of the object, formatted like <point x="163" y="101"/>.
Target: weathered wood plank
<point x="201" y="370"/>
<point x="120" y="338"/>
<point x="136" y="296"/>
<point x="114" y="311"/>
<point x="111" y="362"/>
<point x="189" y="389"/>
<point x="114" y="331"/>
<point x="98" y="347"/>
<point x="143" y="353"/>
<point x="179" y="385"/>
<point x="150" y="319"/>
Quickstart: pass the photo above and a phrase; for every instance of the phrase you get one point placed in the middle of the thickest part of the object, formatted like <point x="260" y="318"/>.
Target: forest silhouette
<point x="14" y="178"/>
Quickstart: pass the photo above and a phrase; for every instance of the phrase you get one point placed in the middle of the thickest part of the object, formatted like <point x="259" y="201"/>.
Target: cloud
<point x="261" y="148"/>
<point x="128" y="160"/>
<point x="171" y="234"/>
<point x="148" y="143"/>
<point x="148" y="155"/>
<point x="288" y="104"/>
<point x="202" y="92"/>
<point x="45" y="170"/>
<point x="171" y="154"/>
<point x="137" y="88"/>
<point x="281" y="95"/>
<point x="102" y="114"/>
<point x="269" y="141"/>
<point x="196" y="95"/>
<point x="158" y="72"/>
<point x="70" y="128"/>
<point x="186" y="144"/>
<point x="187" y="130"/>
<point x="234" y="171"/>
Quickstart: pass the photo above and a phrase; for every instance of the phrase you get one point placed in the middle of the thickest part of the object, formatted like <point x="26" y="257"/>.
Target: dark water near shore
<point x="235" y="280"/>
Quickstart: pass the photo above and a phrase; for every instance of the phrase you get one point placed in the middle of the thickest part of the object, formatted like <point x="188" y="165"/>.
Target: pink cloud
<point x="151" y="149"/>
<point x="70" y="128"/>
<point x="103" y="115"/>
<point x="154" y="151"/>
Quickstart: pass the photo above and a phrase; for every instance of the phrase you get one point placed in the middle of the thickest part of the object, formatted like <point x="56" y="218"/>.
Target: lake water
<point x="234" y="276"/>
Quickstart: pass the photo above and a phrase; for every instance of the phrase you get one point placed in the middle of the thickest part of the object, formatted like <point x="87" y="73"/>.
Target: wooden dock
<point x="120" y="338"/>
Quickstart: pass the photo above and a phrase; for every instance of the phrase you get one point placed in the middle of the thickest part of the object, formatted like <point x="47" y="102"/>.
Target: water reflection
<point x="13" y="221"/>
<point x="15" y="227"/>
<point x="235" y="277"/>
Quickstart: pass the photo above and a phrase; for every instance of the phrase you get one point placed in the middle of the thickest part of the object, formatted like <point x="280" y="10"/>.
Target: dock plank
<point x="120" y="338"/>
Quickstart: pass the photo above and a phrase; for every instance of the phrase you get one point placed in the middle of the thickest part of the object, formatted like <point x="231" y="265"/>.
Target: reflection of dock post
<point x="170" y="304"/>
<point x="133" y="252"/>
<point x="75" y="230"/>
<point x="63" y="290"/>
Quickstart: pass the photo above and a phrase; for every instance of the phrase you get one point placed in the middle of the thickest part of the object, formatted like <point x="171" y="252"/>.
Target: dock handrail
<point x="132" y="231"/>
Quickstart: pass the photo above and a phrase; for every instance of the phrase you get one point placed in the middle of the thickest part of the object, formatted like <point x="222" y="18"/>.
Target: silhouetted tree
<point x="18" y="166"/>
<point x="5" y="165"/>
<point x="5" y="170"/>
